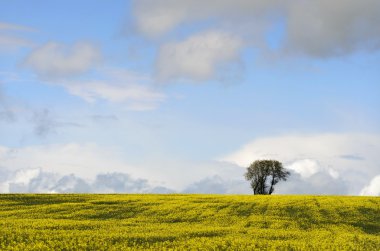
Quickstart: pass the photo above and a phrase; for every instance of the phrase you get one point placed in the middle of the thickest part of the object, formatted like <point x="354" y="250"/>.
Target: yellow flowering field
<point x="188" y="222"/>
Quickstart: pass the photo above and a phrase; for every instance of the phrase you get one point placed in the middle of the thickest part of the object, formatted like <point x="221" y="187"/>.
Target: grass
<point x="191" y="222"/>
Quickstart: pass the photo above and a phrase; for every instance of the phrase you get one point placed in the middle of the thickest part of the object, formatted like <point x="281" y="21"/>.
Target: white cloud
<point x="373" y="188"/>
<point x="55" y="60"/>
<point x="136" y="97"/>
<point x="38" y="181"/>
<point x="308" y="167"/>
<point x="121" y="87"/>
<point x="319" y="28"/>
<point x="21" y="177"/>
<point x="198" y="57"/>
<point x="309" y="155"/>
<point x="305" y="168"/>
<point x="319" y="183"/>
<point x="84" y="160"/>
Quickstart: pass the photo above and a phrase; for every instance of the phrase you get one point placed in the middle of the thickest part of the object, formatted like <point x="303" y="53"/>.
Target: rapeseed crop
<point x="188" y="222"/>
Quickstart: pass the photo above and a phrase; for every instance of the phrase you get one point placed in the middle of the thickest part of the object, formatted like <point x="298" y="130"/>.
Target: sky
<point x="180" y="96"/>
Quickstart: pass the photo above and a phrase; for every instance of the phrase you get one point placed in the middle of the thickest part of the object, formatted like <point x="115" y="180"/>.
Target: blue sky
<point x="184" y="94"/>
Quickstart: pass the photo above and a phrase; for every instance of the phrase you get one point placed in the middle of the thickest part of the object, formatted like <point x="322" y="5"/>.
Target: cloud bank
<point x="319" y="161"/>
<point x="317" y="29"/>
<point x="38" y="181"/>
<point x="315" y="168"/>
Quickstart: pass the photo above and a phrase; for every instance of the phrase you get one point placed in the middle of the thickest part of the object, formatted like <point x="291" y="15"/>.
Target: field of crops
<point x="205" y="222"/>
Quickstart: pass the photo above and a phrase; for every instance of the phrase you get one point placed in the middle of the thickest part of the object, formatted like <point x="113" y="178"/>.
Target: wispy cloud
<point x="14" y="27"/>
<point x="45" y="123"/>
<point x="9" y="40"/>
<point x="126" y="88"/>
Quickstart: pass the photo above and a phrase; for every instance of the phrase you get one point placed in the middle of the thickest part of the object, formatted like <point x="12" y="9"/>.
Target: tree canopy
<point x="265" y="174"/>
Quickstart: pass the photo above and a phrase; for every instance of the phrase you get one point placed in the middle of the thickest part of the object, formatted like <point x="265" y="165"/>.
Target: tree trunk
<point x="271" y="185"/>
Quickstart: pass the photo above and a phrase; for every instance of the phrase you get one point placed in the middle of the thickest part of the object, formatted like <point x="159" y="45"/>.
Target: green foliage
<point x="264" y="175"/>
<point x="195" y="222"/>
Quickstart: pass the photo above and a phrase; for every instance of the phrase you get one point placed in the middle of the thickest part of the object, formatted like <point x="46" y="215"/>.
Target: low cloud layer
<point x="92" y="169"/>
<point x="55" y="60"/>
<point x="34" y="180"/>
<point x="319" y="29"/>
<point x="37" y="181"/>
<point x="319" y="161"/>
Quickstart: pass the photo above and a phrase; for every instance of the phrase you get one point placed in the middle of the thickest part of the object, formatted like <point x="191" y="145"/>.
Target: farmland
<point x="204" y="222"/>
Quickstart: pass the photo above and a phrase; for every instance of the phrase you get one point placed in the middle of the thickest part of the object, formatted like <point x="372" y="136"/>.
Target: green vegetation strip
<point x="188" y="222"/>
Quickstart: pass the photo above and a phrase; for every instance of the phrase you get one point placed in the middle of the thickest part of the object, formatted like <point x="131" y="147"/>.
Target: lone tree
<point x="264" y="174"/>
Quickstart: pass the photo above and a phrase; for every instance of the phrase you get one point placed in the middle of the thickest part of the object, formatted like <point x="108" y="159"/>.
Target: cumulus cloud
<point x="197" y="57"/>
<point x="310" y="155"/>
<point x="118" y="183"/>
<point x="318" y="28"/>
<point x="123" y="87"/>
<point x="308" y="167"/>
<point x="54" y="60"/>
<point x="38" y="181"/>
<point x="373" y="188"/>
<point x="320" y="182"/>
